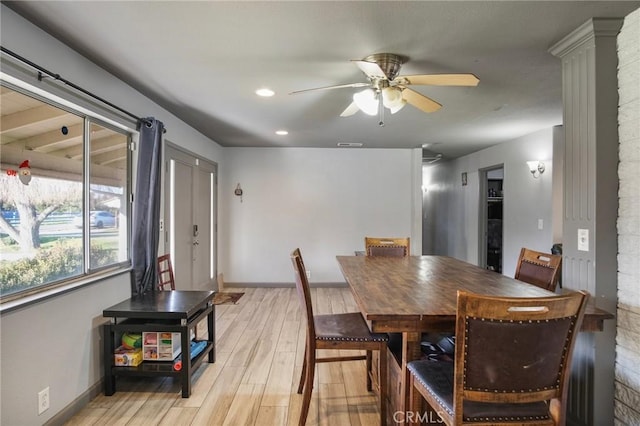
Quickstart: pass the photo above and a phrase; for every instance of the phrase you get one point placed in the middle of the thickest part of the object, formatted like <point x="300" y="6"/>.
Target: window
<point x="64" y="191"/>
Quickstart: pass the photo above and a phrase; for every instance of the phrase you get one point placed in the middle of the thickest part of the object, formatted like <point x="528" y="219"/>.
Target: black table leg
<point x="212" y="333"/>
<point x="109" y="349"/>
<point x="185" y="374"/>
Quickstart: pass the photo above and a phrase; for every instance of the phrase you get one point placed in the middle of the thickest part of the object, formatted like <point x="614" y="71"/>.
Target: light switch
<point x="583" y="240"/>
<point x="540" y="224"/>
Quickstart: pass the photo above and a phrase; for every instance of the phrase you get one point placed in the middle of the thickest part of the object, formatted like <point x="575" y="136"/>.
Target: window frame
<point x="88" y="275"/>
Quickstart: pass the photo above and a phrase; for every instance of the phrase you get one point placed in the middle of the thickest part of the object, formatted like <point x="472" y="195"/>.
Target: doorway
<point x="491" y="212"/>
<point x="190" y="218"/>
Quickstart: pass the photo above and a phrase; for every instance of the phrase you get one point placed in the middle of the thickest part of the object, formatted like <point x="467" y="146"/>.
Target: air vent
<point x="430" y="156"/>
<point x="350" y="144"/>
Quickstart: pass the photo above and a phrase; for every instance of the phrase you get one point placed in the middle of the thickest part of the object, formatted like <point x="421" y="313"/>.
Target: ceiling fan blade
<point x="419" y="101"/>
<point x="339" y="86"/>
<point x="439" y="79"/>
<point x="350" y="110"/>
<point x="371" y="69"/>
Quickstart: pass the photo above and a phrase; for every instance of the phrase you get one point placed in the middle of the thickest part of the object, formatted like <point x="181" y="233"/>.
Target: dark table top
<point x="177" y="304"/>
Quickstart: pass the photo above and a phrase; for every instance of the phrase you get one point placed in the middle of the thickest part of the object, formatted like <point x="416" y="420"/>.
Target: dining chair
<point x="512" y="362"/>
<point x="166" y="280"/>
<point x="345" y="331"/>
<point x="390" y="247"/>
<point x="538" y="268"/>
<point x="386" y="247"/>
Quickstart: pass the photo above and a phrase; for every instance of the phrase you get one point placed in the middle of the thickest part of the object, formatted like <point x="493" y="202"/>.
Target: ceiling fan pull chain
<point x="381" y="110"/>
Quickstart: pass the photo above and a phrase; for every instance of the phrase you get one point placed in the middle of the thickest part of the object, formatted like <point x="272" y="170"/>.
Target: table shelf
<point x="160" y="368"/>
<point x="175" y="312"/>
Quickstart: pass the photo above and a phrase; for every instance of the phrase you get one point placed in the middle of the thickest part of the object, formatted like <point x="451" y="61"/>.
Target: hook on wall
<point x="238" y="192"/>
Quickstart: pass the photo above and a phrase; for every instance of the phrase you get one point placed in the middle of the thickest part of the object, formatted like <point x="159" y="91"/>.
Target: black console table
<point x="164" y="311"/>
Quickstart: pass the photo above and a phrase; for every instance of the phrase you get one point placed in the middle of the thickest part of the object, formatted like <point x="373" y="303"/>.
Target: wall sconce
<point x="536" y="168"/>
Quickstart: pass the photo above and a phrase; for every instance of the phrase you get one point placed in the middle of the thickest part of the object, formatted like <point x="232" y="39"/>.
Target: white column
<point x="590" y="98"/>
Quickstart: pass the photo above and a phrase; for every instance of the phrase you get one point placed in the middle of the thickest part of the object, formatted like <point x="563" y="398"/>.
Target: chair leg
<point x="369" y="371"/>
<point x="308" y="388"/>
<point x="304" y="369"/>
<point x="382" y="383"/>
<point x="414" y="406"/>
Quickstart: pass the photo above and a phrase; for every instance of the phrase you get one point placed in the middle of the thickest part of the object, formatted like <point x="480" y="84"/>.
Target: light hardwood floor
<point x="260" y="346"/>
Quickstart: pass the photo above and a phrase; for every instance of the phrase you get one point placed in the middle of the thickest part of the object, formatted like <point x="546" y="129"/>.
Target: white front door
<point x="190" y="218"/>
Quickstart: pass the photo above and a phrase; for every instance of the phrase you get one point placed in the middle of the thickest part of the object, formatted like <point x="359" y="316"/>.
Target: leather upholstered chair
<point x="534" y="267"/>
<point x="538" y="268"/>
<point x="391" y="247"/>
<point x="346" y="331"/>
<point x="511" y="365"/>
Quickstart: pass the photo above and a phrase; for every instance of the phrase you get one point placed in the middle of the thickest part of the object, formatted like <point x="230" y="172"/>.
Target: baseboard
<point x="282" y="285"/>
<point x="76" y="406"/>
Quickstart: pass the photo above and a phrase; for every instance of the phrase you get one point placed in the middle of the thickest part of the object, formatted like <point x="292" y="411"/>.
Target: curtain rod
<point x="55" y="76"/>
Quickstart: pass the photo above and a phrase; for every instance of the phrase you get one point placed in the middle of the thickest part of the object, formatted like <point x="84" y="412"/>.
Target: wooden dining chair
<point x="166" y="280"/>
<point x="511" y="365"/>
<point x="391" y="247"/>
<point x="346" y="331"/>
<point x="538" y="268"/>
<point x="165" y="273"/>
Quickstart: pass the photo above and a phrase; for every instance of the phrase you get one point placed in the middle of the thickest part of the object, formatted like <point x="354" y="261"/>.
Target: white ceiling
<point x="204" y="60"/>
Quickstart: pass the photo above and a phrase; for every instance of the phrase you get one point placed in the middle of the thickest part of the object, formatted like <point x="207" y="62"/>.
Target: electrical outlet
<point x="583" y="240"/>
<point x="43" y="400"/>
<point x="308" y="275"/>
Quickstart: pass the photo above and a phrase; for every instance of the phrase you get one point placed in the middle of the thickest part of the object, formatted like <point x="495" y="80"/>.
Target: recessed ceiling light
<point x="264" y="92"/>
<point x="282" y="132"/>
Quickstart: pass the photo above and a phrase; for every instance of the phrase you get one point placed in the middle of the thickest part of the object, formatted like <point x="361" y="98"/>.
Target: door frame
<point x="483" y="195"/>
<point x="187" y="157"/>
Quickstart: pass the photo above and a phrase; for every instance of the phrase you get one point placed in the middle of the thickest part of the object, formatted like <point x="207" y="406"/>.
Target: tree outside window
<point x="57" y="221"/>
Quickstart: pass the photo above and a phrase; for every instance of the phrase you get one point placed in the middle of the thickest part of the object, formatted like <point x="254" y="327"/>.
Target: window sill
<point x="40" y="296"/>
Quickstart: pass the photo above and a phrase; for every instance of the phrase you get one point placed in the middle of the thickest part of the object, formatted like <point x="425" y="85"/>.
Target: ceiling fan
<point x="392" y="89"/>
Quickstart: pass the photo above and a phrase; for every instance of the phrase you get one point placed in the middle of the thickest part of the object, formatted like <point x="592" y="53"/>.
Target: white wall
<point x="627" y="366"/>
<point x="56" y="342"/>
<point x="324" y="201"/>
<point x="451" y="210"/>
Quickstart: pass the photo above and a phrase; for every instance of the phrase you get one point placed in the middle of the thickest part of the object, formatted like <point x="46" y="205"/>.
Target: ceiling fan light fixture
<point x="366" y="101"/>
<point x="398" y="107"/>
<point x="392" y="99"/>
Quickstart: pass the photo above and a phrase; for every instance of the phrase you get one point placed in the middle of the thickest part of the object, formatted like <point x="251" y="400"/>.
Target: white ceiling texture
<point x="204" y="60"/>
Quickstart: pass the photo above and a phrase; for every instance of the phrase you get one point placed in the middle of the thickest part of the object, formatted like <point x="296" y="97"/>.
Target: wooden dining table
<point x="418" y="294"/>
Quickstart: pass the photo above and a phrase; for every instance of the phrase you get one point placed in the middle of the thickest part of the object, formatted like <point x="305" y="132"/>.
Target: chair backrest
<point x="538" y="268"/>
<point x="515" y="350"/>
<point x="391" y="247"/>
<point x="304" y="293"/>
<point x="165" y="273"/>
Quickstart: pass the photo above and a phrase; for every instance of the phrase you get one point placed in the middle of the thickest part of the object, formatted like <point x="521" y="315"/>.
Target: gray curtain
<point x="146" y="207"/>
